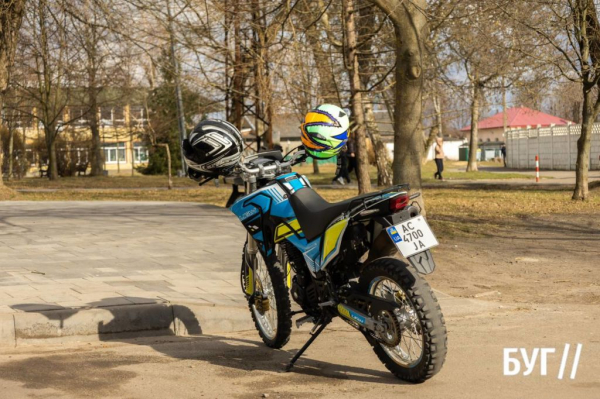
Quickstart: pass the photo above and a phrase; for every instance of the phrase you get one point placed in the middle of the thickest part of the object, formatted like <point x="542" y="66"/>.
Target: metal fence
<point x="556" y="146"/>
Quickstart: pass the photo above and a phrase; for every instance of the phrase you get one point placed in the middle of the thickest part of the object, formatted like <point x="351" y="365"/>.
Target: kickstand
<point x="308" y="343"/>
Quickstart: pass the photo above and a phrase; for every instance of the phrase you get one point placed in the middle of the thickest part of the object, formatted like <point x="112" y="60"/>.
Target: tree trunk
<point x="10" y="152"/>
<point x="1" y="150"/>
<point x="582" y="167"/>
<point x="11" y="16"/>
<point x="316" y="170"/>
<point x="237" y="95"/>
<point x="327" y="88"/>
<point x="97" y="160"/>
<point x="384" y="175"/>
<point x="52" y="156"/>
<point x="362" y="157"/>
<point x="132" y="147"/>
<point x="366" y="32"/>
<point x="168" y="150"/>
<point x="433" y="133"/>
<point x="410" y="26"/>
<point x="473" y="139"/>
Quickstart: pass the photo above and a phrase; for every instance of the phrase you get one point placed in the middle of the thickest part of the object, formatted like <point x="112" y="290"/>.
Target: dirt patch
<point x="550" y="259"/>
<point x="88" y="374"/>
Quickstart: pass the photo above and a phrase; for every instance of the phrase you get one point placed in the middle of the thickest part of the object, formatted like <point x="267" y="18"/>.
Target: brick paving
<point x="97" y="254"/>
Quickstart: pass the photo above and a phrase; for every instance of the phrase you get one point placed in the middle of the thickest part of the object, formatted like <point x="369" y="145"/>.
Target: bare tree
<point x="570" y="34"/>
<point x="369" y="27"/>
<point x="410" y="25"/>
<point x="11" y="16"/>
<point x="356" y="99"/>
<point x="47" y="70"/>
<point x="91" y="35"/>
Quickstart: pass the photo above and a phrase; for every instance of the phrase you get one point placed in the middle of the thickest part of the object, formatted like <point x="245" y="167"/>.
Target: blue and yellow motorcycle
<point x="338" y="259"/>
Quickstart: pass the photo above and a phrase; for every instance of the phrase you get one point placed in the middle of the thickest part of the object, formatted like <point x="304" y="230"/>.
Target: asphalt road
<point x="339" y="364"/>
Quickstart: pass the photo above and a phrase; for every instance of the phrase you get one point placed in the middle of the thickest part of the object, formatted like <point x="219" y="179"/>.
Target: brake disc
<point x="391" y="334"/>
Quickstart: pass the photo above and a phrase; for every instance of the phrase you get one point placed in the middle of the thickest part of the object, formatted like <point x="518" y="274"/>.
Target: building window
<point x="110" y="152"/>
<point x="488" y="140"/>
<point x="140" y="154"/>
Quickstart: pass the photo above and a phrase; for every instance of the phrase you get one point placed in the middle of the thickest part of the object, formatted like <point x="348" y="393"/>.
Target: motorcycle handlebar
<point x="276" y="166"/>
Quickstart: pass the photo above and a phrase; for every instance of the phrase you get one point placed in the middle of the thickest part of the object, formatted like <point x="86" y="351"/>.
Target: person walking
<point x="342" y="176"/>
<point x="351" y="155"/>
<point x="503" y="152"/>
<point x="439" y="158"/>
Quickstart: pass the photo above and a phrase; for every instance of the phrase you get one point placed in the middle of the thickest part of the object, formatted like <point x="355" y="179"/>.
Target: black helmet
<point x="213" y="148"/>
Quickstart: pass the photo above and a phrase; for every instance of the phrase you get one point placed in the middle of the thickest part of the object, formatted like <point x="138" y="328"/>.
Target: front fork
<point x="250" y="263"/>
<point x="250" y="257"/>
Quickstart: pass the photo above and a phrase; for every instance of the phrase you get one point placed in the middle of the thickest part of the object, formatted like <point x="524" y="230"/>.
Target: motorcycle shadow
<point x="243" y="355"/>
<point x="236" y="355"/>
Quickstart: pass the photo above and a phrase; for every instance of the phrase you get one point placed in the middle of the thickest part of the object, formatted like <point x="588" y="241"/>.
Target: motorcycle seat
<point x="314" y="214"/>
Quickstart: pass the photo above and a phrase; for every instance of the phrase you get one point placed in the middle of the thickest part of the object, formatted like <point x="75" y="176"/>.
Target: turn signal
<point x="398" y="203"/>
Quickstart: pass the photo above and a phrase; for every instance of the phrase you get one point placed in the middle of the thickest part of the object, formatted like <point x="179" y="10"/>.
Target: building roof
<point x="287" y="125"/>
<point x="519" y="117"/>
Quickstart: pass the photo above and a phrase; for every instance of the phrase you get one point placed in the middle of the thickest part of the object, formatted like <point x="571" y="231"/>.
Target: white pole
<point x="519" y="150"/>
<point x="569" y="144"/>
<point x="527" y="146"/>
<point x="538" y="140"/>
<point x="552" y="147"/>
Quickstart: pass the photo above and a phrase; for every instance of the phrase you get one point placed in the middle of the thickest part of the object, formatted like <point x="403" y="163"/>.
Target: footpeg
<point x="328" y="303"/>
<point x="304" y="320"/>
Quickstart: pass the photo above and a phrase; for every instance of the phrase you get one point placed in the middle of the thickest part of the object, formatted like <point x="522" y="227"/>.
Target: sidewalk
<point x="119" y="258"/>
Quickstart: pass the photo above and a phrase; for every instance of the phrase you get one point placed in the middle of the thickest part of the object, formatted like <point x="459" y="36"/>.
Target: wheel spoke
<point x="410" y="348"/>
<point x="267" y="320"/>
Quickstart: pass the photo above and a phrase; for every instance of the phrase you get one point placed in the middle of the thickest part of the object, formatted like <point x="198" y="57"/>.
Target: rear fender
<point x="383" y="246"/>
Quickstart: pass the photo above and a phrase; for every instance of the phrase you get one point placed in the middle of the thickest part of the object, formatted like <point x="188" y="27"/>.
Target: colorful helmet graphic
<point x="325" y="131"/>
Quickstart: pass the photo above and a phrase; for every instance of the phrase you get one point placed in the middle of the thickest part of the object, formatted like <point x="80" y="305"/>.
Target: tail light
<point x="398" y="203"/>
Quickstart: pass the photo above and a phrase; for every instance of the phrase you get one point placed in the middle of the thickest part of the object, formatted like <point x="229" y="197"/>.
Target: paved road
<point x="340" y="364"/>
<point x="81" y="254"/>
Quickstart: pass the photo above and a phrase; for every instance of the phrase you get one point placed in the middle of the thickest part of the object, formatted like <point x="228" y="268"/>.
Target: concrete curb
<point x="103" y="324"/>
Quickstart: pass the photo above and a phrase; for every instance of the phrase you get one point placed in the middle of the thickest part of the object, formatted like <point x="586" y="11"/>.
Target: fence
<point x="556" y="147"/>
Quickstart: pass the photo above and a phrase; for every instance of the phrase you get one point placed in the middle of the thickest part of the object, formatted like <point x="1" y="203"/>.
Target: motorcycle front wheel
<point x="270" y="305"/>
<point x="418" y="350"/>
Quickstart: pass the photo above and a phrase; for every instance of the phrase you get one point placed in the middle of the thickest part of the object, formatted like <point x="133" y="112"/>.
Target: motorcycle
<point x="338" y="260"/>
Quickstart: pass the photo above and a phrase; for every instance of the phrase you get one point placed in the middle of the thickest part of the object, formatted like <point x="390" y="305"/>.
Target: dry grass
<point x="138" y="181"/>
<point x="7" y="194"/>
<point x="325" y="177"/>
<point x="454" y="212"/>
<point x="488" y="204"/>
<point x="451" y="211"/>
<point x="207" y="195"/>
<point x="454" y="171"/>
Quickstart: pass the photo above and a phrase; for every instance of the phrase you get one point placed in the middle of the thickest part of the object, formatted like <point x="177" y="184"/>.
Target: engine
<point x="305" y="290"/>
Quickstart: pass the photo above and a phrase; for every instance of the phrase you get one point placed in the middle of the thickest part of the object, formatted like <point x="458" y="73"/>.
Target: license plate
<point x="413" y="236"/>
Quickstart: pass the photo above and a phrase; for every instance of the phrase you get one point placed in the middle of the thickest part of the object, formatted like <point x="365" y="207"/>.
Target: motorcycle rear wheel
<point x="423" y="342"/>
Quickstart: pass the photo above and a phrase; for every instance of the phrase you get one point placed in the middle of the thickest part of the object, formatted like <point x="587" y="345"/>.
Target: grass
<point x="103" y="182"/>
<point x="325" y="177"/>
<point x="6" y="194"/>
<point x="451" y="211"/>
<point x="427" y="171"/>
<point x="451" y="173"/>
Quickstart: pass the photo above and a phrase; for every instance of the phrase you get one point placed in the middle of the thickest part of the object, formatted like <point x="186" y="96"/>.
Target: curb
<point x="103" y="324"/>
